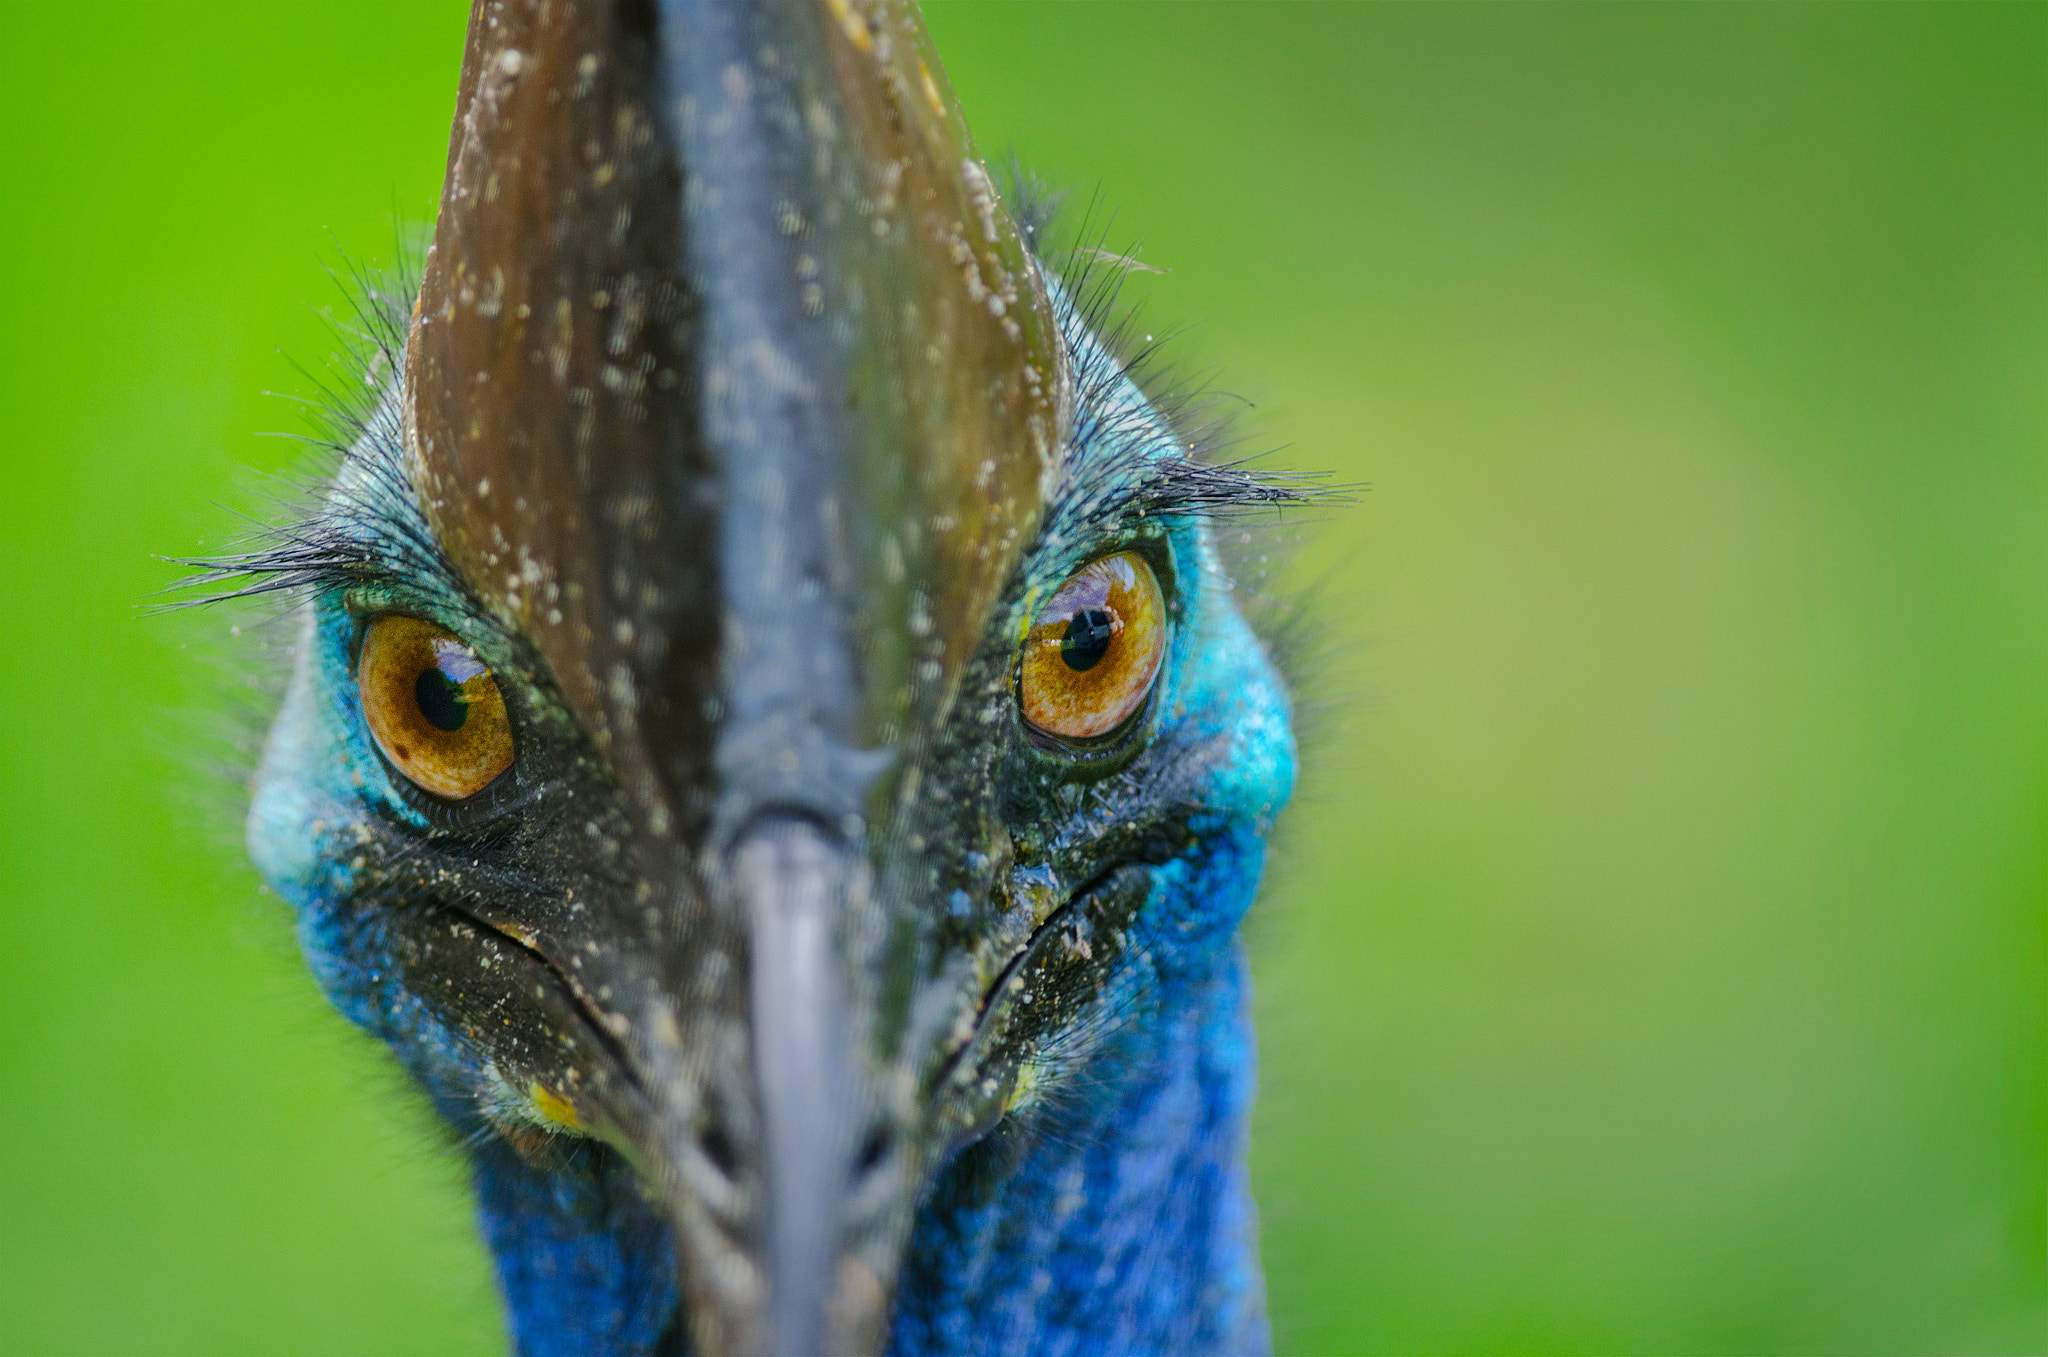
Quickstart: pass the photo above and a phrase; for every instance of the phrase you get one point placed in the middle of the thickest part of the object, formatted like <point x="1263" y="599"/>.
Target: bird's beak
<point x="732" y="392"/>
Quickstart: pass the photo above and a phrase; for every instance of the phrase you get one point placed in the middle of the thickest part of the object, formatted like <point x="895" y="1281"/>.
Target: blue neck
<point x="1120" y="1224"/>
<point x="585" y="1263"/>
<point x="1114" y="1222"/>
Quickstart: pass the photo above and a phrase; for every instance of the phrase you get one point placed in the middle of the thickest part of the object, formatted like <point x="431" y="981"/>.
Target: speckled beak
<point x="733" y="394"/>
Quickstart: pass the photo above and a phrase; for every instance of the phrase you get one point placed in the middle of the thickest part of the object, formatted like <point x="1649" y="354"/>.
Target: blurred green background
<point x="1655" y="961"/>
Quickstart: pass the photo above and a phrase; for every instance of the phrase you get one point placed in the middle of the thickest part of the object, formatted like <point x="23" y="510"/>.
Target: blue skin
<point x="1107" y="1212"/>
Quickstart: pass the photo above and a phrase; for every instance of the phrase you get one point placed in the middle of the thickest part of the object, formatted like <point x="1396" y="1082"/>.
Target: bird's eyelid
<point x="367" y="603"/>
<point x="1151" y="539"/>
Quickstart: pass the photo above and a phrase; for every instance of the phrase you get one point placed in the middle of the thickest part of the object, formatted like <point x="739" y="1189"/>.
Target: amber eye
<point x="433" y="706"/>
<point x="1093" y="652"/>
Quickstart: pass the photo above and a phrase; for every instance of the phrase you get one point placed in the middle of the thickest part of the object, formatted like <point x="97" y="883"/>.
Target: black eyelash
<point x="1116" y="473"/>
<point x="367" y="530"/>
<point x="364" y="529"/>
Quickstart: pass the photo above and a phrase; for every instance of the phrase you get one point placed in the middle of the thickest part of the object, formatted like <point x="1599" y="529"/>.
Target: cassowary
<point x="774" y="748"/>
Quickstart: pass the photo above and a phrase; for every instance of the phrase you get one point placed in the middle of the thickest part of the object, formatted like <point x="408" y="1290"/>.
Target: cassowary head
<point x="774" y="751"/>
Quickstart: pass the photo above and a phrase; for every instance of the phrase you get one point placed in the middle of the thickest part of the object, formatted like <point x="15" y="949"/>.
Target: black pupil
<point x="441" y="700"/>
<point x="1087" y="639"/>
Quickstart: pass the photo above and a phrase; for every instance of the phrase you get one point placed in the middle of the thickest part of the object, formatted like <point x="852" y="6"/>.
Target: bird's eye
<point x="433" y="706"/>
<point x="1093" y="652"/>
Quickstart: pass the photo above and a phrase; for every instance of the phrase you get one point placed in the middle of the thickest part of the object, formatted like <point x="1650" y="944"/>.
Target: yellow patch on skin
<point x="1024" y="1091"/>
<point x="1030" y="612"/>
<point x="554" y="1106"/>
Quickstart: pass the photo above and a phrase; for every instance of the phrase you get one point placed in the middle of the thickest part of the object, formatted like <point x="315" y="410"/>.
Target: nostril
<point x="719" y="1149"/>
<point x="873" y="1150"/>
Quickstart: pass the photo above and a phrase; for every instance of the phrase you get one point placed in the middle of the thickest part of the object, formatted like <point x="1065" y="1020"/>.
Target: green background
<point x="1655" y="960"/>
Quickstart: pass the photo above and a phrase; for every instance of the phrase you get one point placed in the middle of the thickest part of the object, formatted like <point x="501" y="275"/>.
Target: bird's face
<point x="770" y="702"/>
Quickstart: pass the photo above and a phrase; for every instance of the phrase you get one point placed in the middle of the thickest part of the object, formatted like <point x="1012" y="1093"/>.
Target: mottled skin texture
<point x="789" y="994"/>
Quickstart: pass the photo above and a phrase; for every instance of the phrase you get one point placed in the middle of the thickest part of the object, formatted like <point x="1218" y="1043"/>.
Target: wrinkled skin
<point x="792" y="993"/>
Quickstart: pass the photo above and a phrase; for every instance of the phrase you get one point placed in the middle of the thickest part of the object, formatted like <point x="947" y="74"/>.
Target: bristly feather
<point x="1116" y="468"/>
<point x="364" y="528"/>
<point x="1211" y="477"/>
<point x="328" y="529"/>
